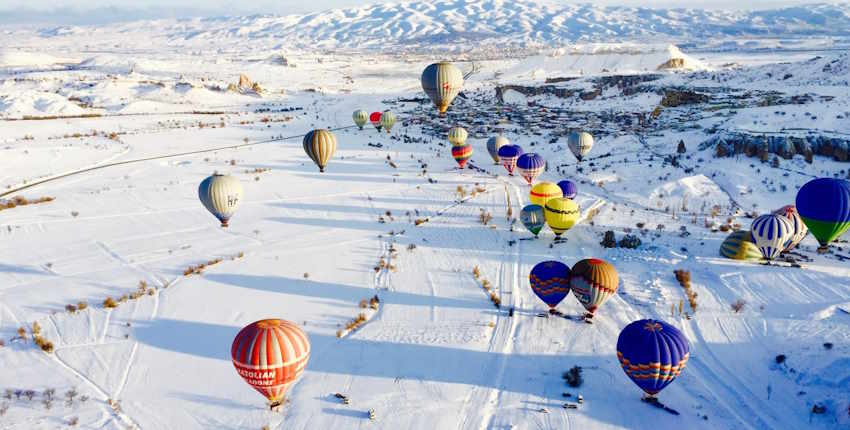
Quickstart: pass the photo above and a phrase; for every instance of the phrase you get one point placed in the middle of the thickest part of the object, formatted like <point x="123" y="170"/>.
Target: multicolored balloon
<point x="530" y="166"/>
<point x="800" y="229"/>
<point x="442" y="82"/>
<point x="561" y="214"/>
<point x="375" y="119"/>
<point x="824" y="205"/>
<point x="533" y="218"/>
<point x="360" y="117"/>
<point x="569" y="188"/>
<point x="593" y="281"/>
<point x="270" y="355"/>
<point x="543" y="191"/>
<point x="739" y="246"/>
<point x="493" y="145"/>
<point x="508" y="156"/>
<point x="550" y="281"/>
<point x="652" y="353"/>
<point x="387" y="120"/>
<point x="580" y="144"/>
<point x="457" y="135"/>
<point x="221" y="195"/>
<point x="771" y="233"/>
<point x="461" y="154"/>
<point x="320" y="146"/>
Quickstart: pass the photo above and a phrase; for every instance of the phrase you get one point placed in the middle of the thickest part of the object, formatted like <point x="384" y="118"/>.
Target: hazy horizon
<point x="83" y="12"/>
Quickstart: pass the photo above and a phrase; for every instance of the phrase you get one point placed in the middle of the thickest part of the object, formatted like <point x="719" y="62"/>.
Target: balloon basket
<point x="588" y="318"/>
<point x="823" y="249"/>
<point x="224" y="224"/>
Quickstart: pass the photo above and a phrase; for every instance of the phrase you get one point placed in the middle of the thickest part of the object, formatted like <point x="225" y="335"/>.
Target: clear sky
<point x="98" y="11"/>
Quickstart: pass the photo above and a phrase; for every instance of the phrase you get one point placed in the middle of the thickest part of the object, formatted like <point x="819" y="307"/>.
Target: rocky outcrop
<point x="675" y="98"/>
<point x="673" y="63"/>
<point x="727" y="144"/>
<point x="534" y="91"/>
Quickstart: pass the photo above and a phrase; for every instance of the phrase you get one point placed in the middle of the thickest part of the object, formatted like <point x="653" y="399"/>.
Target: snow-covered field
<point x="304" y="246"/>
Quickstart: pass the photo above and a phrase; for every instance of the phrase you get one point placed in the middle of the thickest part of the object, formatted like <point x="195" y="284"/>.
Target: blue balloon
<point x="530" y="161"/>
<point x="824" y="206"/>
<point x="652" y="353"/>
<point x="550" y="281"/>
<point x="569" y="189"/>
<point x="510" y="151"/>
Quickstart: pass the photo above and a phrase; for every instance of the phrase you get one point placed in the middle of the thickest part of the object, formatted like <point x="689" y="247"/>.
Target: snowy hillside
<point x="454" y="24"/>
<point x="409" y="276"/>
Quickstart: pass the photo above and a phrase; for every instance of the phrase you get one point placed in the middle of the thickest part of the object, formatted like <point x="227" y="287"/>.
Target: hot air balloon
<point x="461" y="154"/>
<point x="543" y="191"/>
<point x="800" y="229"/>
<point x="360" y="117"/>
<point x="561" y="214"/>
<point x="320" y="146"/>
<point x="739" y="246"/>
<point x="387" y="120"/>
<point x="580" y="144"/>
<point x="457" y="135"/>
<point x="569" y="189"/>
<point x="593" y="281"/>
<point x="771" y="233"/>
<point x="530" y="166"/>
<point x="508" y="155"/>
<point x="375" y="119"/>
<point x="550" y="281"/>
<point x="270" y="355"/>
<point x="442" y="82"/>
<point x="652" y="353"/>
<point x="533" y="218"/>
<point x="221" y="195"/>
<point x="824" y="205"/>
<point x="493" y="145"/>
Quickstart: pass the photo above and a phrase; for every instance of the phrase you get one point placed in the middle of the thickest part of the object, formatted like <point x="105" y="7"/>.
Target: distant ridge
<point x="450" y="24"/>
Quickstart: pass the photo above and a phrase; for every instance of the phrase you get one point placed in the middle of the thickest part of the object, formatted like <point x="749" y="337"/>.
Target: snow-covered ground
<point x="304" y="246"/>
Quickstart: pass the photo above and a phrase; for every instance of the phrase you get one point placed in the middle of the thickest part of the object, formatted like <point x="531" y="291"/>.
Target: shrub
<point x="485" y="217"/>
<point x="609" y="241"/>
<point x="780" y="358"/>
<point x="82" y="305"/>
<point x="476" y="272"/>
<point x="71" y="308"/>
<point x="630" y="241"/>
<point x="109" y="303"/>
<point x="573" y="377"/>
<point x="738" y="305"/>
<point x="827" y="345"/>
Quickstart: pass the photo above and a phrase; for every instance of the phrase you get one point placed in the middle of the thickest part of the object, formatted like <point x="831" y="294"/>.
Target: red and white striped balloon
<point x="270" y="355"/>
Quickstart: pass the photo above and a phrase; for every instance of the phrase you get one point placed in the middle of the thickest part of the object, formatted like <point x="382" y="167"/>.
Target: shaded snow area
<point x="393" y="217"/>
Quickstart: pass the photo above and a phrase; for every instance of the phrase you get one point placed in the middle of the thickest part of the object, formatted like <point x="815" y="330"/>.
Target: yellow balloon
<point x="457" y="136"/>
<point x="543" y="191"/>
<point x="561" y="214"/>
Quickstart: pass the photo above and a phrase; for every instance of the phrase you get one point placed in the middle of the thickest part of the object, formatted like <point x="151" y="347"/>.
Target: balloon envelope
<point x="580" y="143"/>
<point x="461" y="154"/>
<point x="652" y="353"/>
<point x="800" y="229"/>
<point x="771" y="233"/>
<point x="457" y="135"/>
<point x="549" y="281"/>
<point x="543" y="191"/>
<point x="270" y="355"/>
<point x="375" y="119"/>
<point x="387" y="120"/>
<point x="739" y="245"/>
<point x="561" y="214"/>
<point x="569" y="188"/>
<point x="442" y="82"/>
<point x="533" y="218"/>
<point x="493" y="145"/>
<point x="593" y="281"/>
<point x="221" y="195"/>
<point x="320" y="146"/>
<point x="508" y="156"/>
<point x="530" y="166"/>
<point x="360" y="117"/>
<point x="824" y="205"/>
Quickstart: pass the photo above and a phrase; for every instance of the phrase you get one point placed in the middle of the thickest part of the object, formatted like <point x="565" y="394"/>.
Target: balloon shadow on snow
<point x="352" y="294"/>
<point x="534" y="374"/>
